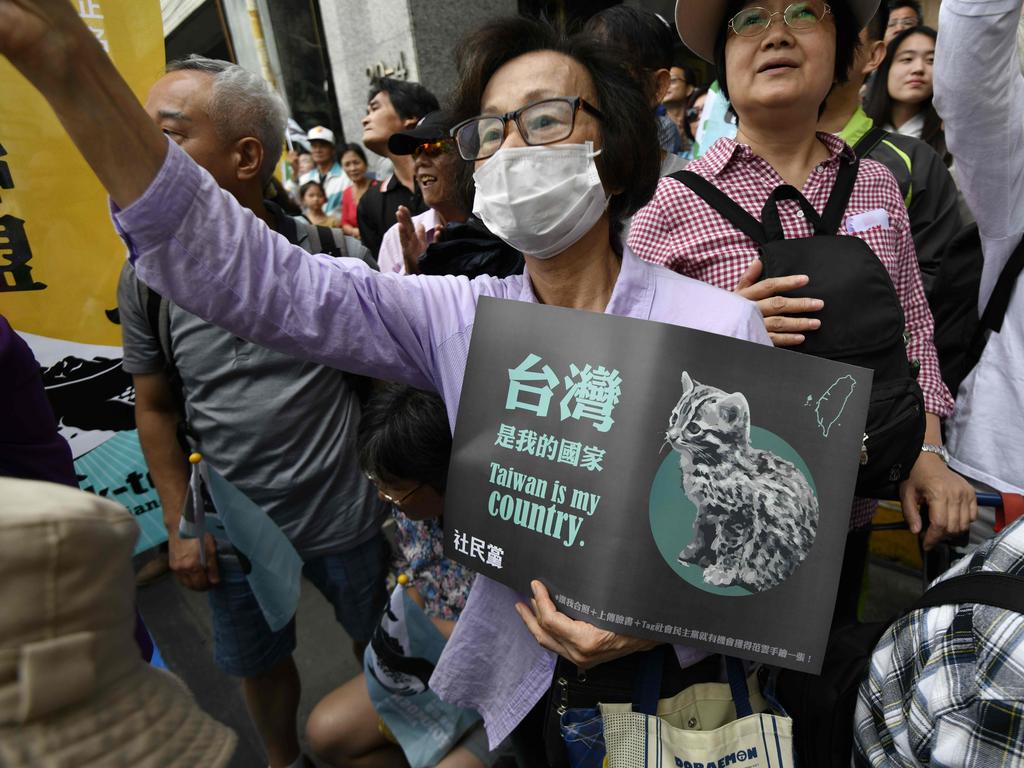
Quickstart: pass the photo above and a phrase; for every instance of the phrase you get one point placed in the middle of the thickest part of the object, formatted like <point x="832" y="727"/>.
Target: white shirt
<point x="979" y="93"/>
<point x="914" y="127"/>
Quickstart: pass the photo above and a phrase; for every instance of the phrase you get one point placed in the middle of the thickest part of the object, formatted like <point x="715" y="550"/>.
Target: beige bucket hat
<point x="74" y="690"/>
<point x="699" y="21"/>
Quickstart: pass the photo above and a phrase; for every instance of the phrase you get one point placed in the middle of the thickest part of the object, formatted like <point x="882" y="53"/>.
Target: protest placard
<point x="60" y="259"/>
<point x="662" y="482"/>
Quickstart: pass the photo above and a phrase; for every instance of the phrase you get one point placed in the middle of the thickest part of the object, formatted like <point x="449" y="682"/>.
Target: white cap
<point x="319" y="133"/>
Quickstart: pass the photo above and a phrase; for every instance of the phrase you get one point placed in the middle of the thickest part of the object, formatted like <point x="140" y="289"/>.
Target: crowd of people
<point x="313" y="344"/>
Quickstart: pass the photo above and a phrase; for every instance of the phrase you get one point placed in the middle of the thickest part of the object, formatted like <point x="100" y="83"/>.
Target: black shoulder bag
<point x="862" y="322"/>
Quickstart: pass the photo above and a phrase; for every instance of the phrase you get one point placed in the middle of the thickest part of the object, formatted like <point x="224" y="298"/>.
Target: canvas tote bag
<point x="705" y="726"/>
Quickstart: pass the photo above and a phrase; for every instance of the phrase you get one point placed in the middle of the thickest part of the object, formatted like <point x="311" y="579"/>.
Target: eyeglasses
<point x="388" y="497"/>
<point x="542" y="122"/>
<point x="692" y="114"/>
<point x="905" y="23"/>
<point x="751" y="22"/>
<point x="674" y="79"/>
<point x="433" y="148"/>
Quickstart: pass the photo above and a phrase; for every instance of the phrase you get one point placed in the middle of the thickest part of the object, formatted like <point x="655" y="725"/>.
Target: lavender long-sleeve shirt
<point x="194" y="244"/>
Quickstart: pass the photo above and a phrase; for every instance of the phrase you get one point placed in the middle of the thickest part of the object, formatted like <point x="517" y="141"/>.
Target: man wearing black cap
<point x="394" y="105"/>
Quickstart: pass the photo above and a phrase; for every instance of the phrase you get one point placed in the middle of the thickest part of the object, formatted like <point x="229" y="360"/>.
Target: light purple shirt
<point x="194" y="244"/>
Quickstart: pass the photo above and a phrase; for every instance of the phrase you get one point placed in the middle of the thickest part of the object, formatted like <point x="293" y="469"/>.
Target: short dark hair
<point x="879" y="102"/>
<point x="847" y="43"/>
<point x="912" y="4"/>
<point x="308" y="185"/>
<point x="688" y="73"/>
<point x="354" y="148"/>
<point x="641" y="34"/>
<point x="878" y="23"/>
<point x="631" y="156"/>
<point x="410" y="100"/>
<point x="404" y="436"/>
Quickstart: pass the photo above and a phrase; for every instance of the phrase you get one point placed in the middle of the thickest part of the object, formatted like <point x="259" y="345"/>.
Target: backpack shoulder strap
<point x="999" y="301"/>
<point x="832" y="216"/>
<point x="869" y="141"/>
<point x="328" y="243"/>
<point x="725" y="205"/>
<point x="159" y="316"/>
<point x="1000" y="590"/>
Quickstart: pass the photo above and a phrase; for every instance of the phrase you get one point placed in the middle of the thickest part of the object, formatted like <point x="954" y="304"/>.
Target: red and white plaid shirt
<point x="677" y="229"/>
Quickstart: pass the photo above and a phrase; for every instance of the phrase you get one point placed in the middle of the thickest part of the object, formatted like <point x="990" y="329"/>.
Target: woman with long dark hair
<point x="901" y="100"/>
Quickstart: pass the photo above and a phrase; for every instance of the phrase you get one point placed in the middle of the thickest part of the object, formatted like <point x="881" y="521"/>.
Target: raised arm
<point x="979" y="92"/>
<point x="47" y="42"/>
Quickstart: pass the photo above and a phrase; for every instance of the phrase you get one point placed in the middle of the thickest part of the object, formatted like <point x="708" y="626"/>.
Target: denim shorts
<point x="353" y="582"/>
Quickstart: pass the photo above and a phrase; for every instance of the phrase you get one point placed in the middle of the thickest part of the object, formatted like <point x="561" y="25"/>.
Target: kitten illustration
<point x="756" y="513"/>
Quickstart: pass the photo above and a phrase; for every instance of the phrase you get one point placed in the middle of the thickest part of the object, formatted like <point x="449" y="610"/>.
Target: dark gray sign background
<point x="615" y="566"/>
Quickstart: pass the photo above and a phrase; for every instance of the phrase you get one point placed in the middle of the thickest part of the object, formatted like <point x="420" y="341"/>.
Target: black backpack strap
<point x="869" y="141"/>
<point x="999" y="301"/>
<point x="838" y="201"/>
<point x="328" y="244"/>
<point x="999" y="590"/>
<point x="721" y="202"/>
<point x="770" y="214"/>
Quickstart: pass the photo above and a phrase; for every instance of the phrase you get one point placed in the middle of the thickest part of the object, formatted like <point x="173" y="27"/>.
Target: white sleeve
<point x="979" y="93"/>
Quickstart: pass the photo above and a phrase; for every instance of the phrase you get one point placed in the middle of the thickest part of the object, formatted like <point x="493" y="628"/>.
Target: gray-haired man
<point x="282" y="430"/>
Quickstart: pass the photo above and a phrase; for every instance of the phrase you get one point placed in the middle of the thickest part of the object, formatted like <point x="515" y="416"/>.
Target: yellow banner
<point x="59" y="255"/>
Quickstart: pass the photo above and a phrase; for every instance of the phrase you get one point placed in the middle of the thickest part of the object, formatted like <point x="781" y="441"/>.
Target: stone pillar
<point x="405" y="39"/>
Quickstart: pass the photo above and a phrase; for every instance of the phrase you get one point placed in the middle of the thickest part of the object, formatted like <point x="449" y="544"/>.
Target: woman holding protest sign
<point x="777" y="60"/>
<point x="565" y="112"/>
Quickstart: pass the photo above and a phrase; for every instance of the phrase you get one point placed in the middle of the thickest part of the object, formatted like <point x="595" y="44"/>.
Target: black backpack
<point x="862" y="322"/>
<point x="960" y="333"/>
<point x="822" y="706"/>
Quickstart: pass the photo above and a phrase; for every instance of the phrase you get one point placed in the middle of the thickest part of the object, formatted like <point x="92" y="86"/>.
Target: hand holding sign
<point x="583" y="644"/>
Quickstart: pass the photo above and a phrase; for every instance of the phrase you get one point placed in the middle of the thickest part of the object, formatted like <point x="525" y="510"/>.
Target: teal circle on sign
<point x="672" y="513"/>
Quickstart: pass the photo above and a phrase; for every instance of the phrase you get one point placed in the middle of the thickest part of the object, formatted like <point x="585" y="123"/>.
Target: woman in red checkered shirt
<point x="776" y="61"/>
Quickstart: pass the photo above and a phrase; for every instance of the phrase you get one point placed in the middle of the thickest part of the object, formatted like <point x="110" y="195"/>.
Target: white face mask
<point x="540" y="200"/>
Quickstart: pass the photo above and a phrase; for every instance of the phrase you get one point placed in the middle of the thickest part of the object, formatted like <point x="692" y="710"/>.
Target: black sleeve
<point x="934" y="212"/>
<point x="371" y="231"/>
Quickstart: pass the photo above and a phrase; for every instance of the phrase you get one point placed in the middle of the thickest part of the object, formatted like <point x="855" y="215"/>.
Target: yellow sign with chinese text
<point x="59" y="254"/>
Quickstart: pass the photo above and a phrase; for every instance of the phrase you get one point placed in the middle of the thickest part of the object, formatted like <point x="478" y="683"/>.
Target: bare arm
<point x="157" y="418"/>
<point x="47" y="42"/>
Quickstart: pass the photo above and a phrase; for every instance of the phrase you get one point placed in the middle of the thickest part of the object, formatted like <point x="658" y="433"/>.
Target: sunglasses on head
<point x="434" y="148"/>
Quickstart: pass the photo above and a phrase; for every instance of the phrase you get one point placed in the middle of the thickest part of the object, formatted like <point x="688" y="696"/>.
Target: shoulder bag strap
<point x="838" y="201"/>
<point x="1000" y="590"/>
<point x="869" y="141"/>
<point x="647" y="684"/>
<point x="738" y="686"/>
<point x="721" y="202"/>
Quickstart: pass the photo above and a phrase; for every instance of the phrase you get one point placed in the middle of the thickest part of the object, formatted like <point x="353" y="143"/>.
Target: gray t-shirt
<point x="280" y="429"/>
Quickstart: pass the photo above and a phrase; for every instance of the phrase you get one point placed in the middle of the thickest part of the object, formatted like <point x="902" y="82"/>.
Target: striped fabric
<point x="946" y="686"/>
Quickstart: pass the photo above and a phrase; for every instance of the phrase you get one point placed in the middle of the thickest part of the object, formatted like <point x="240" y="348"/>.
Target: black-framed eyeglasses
<point x="692" y="114"/>
<point x="541" y="122"/>
<point x="388" y="497"/>
<point x="434" y="148"/>
<point x="751" y="22"/>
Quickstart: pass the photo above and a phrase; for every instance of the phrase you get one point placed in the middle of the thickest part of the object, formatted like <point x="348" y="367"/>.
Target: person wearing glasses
<point x="565" y="146"/>
<point x="404" y="445"/>
<point x="693" y="112"/>
<point x="445" y="183"/>
<point x="677" y="100"/>
<point x="903" y="15"/>
<point x="777" y="61"/>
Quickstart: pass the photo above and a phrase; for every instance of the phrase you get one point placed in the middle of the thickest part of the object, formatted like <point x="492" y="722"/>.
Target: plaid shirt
<point x="679" y="230"/>
<point x="946" y="686"/>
